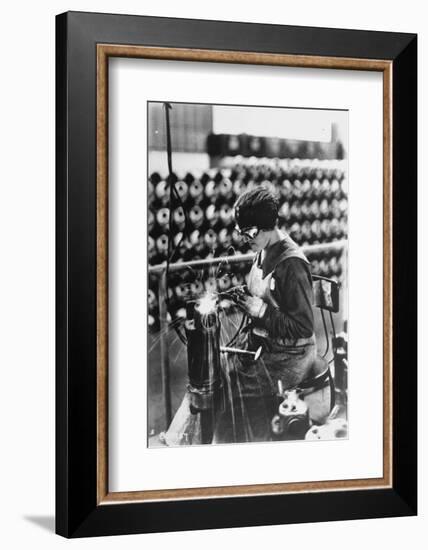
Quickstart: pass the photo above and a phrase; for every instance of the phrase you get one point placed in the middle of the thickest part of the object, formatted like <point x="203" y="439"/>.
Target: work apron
<point x="286" y="360"/>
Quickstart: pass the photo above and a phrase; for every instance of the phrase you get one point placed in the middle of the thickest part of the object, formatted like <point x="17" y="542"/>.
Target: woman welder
<point x="279" y="304"/>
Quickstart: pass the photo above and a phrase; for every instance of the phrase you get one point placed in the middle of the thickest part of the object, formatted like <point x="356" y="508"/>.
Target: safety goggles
<point x="248" y="234"/>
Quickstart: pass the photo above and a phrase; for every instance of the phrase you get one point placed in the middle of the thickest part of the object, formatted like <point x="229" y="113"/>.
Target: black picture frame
<point x="78" y="512"/>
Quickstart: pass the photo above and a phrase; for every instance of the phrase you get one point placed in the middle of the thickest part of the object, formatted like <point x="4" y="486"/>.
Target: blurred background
<point x="219" y="152"/>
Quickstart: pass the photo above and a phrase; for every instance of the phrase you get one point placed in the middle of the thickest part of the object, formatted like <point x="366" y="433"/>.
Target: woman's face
<point x="258" y="240"/>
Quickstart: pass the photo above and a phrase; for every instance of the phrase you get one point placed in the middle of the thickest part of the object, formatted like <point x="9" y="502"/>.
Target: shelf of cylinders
<point x="313" y="210"/>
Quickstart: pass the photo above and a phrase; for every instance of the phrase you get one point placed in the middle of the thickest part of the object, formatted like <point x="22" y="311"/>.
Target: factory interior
<point x="201" y="158"/>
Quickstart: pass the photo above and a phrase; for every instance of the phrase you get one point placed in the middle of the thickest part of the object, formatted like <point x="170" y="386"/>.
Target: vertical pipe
<point x="166" y="390"/>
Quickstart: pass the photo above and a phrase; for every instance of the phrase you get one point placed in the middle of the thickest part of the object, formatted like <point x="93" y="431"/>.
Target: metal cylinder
<point x="203" y="357"/>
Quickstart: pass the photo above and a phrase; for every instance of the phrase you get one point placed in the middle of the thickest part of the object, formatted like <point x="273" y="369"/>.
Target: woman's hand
<point x="254" y="306"/>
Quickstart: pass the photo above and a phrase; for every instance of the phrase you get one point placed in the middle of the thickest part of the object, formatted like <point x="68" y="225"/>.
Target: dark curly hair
<point x="257" y="208"/>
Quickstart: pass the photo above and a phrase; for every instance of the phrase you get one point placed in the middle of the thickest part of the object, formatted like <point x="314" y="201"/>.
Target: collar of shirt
<point x="279" y="251"/>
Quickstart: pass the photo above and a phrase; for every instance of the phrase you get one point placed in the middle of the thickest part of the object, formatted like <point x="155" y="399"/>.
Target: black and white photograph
<point x="247" y="274"/>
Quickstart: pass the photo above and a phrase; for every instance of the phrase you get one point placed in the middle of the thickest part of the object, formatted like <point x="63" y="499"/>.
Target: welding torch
<point x="235" y="293"/>
<point x="254" y="354"/>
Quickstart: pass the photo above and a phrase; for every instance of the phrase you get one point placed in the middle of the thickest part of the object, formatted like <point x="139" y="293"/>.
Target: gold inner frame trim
<point x="104" y="51"/>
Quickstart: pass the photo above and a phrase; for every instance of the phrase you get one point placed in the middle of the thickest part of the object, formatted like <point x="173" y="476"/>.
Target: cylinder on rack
<point x="162" y="217"/>
<point x="226" y="215"/>
<point x="196" y="192"/>
<point x="225" y="188"/>
<point x="196" y="216"/>
<point x="162" y="192"/>
<point x="182" y="190"/>
<point x="179" y="218"/>
<point x="211" y="215"/>
<point x="162" y="246"/>
<point x="211" y="190"/>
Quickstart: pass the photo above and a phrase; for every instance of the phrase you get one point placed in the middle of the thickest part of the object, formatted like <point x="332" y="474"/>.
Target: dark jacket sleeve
<point x="293" y="293"/>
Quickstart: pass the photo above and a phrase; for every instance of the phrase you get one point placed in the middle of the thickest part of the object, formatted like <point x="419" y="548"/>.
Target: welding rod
<point x="255" y="354"/>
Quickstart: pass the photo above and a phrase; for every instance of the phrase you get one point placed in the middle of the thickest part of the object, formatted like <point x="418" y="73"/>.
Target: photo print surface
<point x="247" y="274"/>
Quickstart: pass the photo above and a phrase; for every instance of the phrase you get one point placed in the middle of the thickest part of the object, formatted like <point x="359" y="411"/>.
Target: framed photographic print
<point x="236" y="274"/>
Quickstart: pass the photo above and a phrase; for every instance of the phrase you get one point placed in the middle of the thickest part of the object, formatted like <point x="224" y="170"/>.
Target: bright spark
<point x="207" y="303"/>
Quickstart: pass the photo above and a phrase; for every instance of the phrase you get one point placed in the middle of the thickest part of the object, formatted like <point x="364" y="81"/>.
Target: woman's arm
<point x="293" y="293"/>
